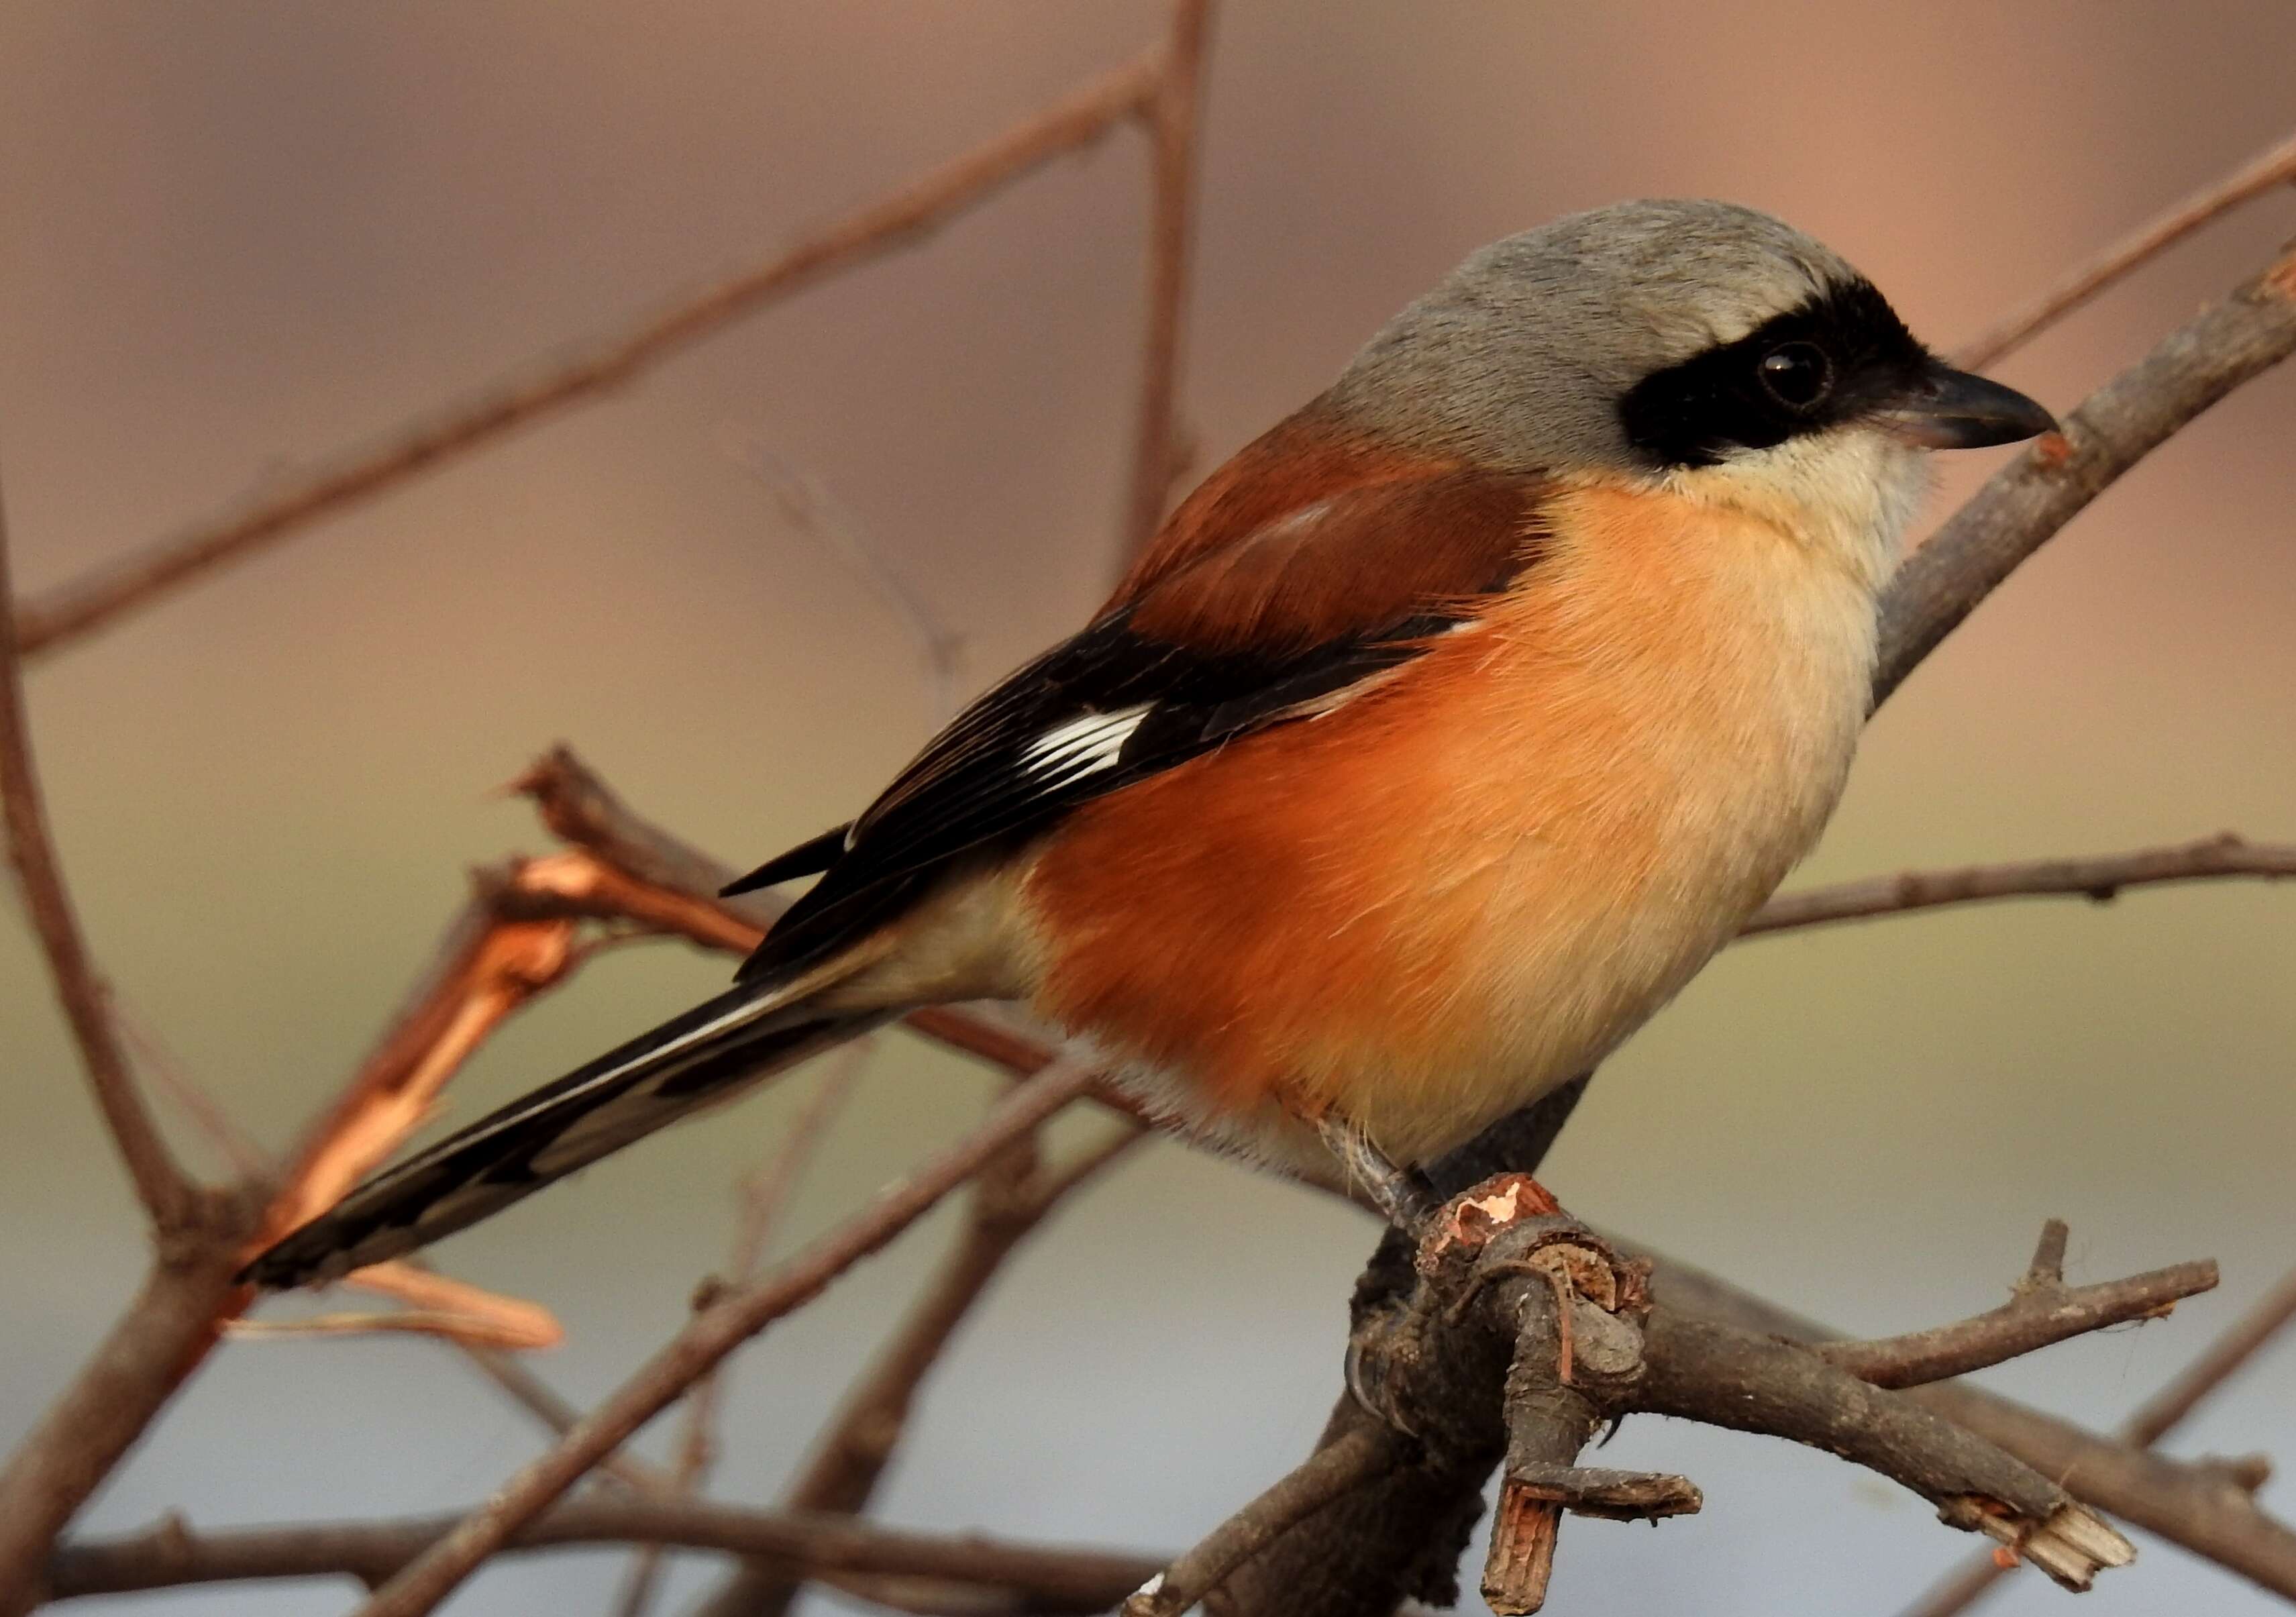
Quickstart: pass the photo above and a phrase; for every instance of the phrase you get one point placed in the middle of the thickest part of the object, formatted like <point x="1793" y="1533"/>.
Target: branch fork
<point x="1516" y="1334"/>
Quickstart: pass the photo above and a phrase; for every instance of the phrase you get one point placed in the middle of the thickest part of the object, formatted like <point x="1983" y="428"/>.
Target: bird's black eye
<point x="1797" y="374"/>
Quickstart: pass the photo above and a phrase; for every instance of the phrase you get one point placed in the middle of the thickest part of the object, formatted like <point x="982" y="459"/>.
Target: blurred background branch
<point x="531" y="923"/>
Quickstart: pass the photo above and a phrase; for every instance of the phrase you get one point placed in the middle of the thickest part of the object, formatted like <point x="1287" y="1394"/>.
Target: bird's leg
<point x="1403" y="1194"/>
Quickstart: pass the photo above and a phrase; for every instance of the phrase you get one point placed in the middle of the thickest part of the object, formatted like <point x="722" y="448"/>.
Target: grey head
<point x="1651" y="335"/>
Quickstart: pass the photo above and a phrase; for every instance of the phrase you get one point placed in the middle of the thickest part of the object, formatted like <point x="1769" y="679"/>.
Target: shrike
<point x="1437" y="741"/>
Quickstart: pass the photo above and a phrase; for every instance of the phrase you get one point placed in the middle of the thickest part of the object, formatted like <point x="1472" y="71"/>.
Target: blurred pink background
<point x="239" y="234"/>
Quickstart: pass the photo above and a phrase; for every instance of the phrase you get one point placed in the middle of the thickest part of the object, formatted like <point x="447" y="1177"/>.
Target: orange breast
<point x="1461" y="888"/>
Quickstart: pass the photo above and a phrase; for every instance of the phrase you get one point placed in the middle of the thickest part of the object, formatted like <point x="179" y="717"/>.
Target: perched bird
<point x="1436" y="741"/>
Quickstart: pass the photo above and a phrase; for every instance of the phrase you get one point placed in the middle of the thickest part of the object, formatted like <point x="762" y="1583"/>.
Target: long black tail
<point x="693" y="1061"/>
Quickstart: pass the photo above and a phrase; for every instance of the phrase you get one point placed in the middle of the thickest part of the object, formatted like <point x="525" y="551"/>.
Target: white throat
<point x="1847" y="495"/>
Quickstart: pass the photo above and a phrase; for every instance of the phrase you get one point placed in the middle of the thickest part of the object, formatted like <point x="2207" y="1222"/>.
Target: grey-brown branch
<point x="1518" y="1334"/>
<point x="171" y="1555"/>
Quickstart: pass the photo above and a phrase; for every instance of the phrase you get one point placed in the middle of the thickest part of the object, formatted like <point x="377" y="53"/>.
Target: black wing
<point x="1253" y="634"/>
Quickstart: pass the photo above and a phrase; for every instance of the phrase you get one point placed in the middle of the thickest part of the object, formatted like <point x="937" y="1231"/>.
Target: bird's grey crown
<point x="1520" y="357"/>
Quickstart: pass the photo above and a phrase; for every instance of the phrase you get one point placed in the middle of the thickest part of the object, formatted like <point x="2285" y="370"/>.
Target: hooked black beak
<point x="1950" y="409"/>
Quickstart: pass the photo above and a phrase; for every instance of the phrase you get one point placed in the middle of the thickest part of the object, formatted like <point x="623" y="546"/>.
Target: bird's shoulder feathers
<point x="1308" y="567"/>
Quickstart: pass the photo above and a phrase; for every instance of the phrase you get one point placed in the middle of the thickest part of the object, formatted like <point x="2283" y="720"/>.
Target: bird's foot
<point x="1402" y="1193"/>
<point x="1506" y="1226"/>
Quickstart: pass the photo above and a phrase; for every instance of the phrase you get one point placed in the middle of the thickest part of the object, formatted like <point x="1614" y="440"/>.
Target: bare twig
<point x="636" y="867"/>
<point x="1336" y="1468"/>
<point x="158" y="1340"/>
<point x="809" y="507"/>
<point x="2100" y="878"/>
<point x="520" y="1325"/>
<point x="475" y="1329"/>
<point x="2203" y="1510"/>
<point x="1509" y="1328"/>
<point x="2161" y="1414"/>
<point x="2273" y="167"/>
<point x="437" y="1306"/>
<point x="166" y="1192"/>
<point x="1011" y="1198"/>
<point x="2024" y="504"/>
<point x="714" y="1333"/>
<point x="763" y="1194"/>
<point x="1707" y="1371"/>
<point x="540" y="1398"/>
<point x="517" y="935"/>
<point x="488" y="965"/>
<point x="154" y="1057"/>
<point x="1173" y="112"/>
<point x="2048" y="1268"/>
<point x="171" y="1555"/>
<point x="2151" y="1421"/>
<point x="2041" y="1312"/>
<point x="906" y="217"/>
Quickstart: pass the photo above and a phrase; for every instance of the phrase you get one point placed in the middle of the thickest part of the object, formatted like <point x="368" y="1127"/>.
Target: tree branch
<point x="2267" y="170"/>
<point x="2194" y="1507"/>
<point x="1512" y="1328"/>
<point x="547" y="1405"/>
<point x="2163" y="1412"/>
<point x="2043" y="1311"/>
<point x="639" y="868"/>
<point x="170" y="1324"/>
<point x="1012" y="1195"/>
<point x="711" y="1334"/>
<point x="170" y="1554"/>
<point x="493" y="959"/>
<point x="1339" y="1467"/>
<point x="2100" y="878"/>
<point x="166" y="1192"/>
<point x="158" y="1340"/>
<point x="2024" y="503"/>
<point x="1703" y="1370"/>
<point x="1076" y="120"/>
<point x="2153" y="1420"/>
<point x="763" y="1194"/>
<point x="1173" y="113"/>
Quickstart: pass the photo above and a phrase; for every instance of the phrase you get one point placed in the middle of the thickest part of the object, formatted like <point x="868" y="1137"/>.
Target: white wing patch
<point x="1086" y="745"/>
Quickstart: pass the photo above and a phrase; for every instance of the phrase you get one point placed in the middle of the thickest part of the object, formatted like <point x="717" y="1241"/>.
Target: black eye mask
<point x="1842" y="356"/>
